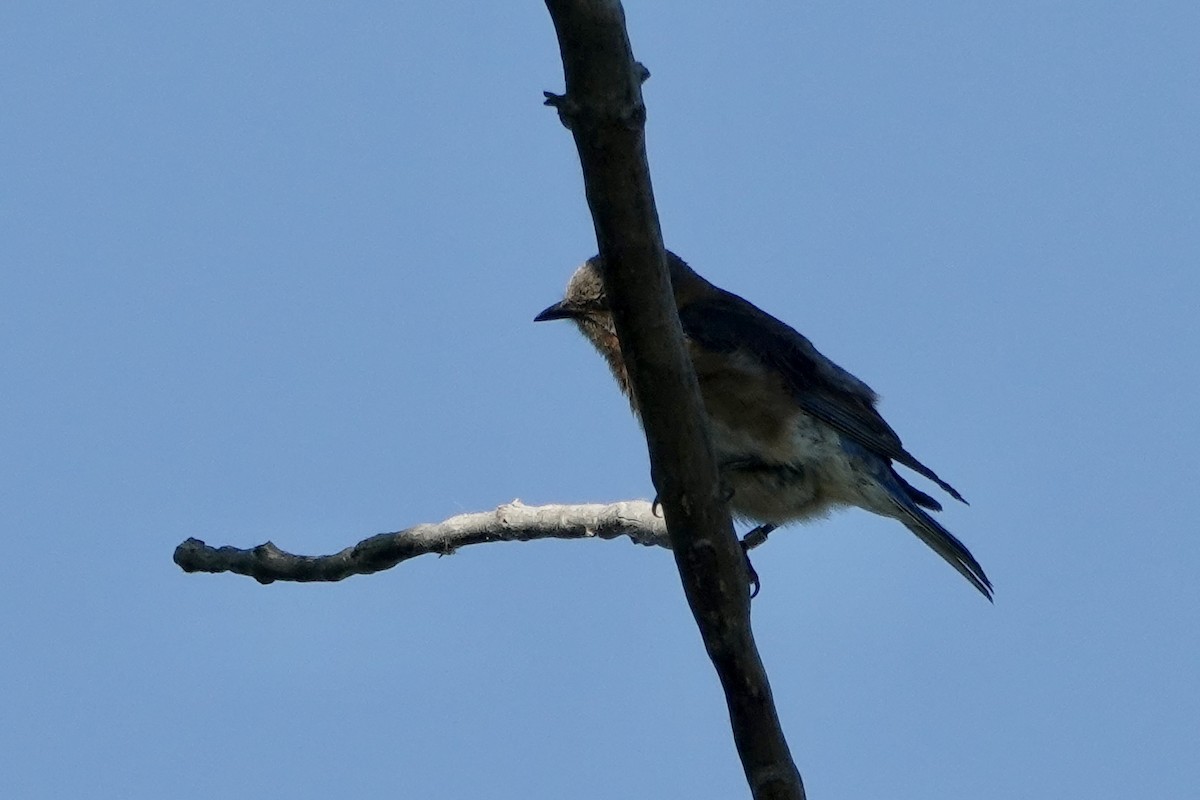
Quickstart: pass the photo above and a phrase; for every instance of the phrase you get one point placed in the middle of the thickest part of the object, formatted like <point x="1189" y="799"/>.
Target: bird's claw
<point x="751" y="540"/>
<point x="755" y="583"/>
<point x="655" y="505"/>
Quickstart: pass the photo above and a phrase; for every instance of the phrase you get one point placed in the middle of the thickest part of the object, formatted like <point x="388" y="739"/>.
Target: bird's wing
<point x="724" y="322"/>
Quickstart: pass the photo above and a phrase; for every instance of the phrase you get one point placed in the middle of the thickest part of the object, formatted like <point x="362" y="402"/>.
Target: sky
<point x="268" y="272"/>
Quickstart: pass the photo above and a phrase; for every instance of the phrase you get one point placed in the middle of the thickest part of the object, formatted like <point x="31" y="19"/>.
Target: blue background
<point x="268" y="271"/>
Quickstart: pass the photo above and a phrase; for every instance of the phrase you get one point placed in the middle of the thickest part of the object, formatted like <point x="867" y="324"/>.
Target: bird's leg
<point x="751" y="540"/>
<point x="757" y="536"/>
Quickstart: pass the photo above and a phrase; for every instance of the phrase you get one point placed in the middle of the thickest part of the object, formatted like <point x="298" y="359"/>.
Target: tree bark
<point x="604" y="110"/>
<point x="513" y="522"/>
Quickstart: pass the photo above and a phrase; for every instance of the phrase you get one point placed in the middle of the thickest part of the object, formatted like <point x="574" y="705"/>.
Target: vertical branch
<point x="604" y="111"/>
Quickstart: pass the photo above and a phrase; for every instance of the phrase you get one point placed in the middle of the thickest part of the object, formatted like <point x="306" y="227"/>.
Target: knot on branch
<point x="575" y="115"/>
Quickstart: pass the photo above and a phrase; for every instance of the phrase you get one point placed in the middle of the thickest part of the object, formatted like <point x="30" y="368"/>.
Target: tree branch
<point x="603" y="109"/>
<point x="514" y="522"/>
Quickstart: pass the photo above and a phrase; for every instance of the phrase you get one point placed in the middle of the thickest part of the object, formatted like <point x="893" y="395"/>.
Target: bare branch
<point x="604" y="110"/>
<point x="513" y="522"/>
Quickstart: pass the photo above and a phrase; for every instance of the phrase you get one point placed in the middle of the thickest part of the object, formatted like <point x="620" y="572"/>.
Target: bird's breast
<point x="781" y="463"/>
<point x="748" y="406"/>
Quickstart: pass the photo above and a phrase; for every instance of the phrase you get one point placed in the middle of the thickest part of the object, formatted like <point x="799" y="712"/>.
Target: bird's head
<point x="586" y="304"/>
<point x="584" y="297"/>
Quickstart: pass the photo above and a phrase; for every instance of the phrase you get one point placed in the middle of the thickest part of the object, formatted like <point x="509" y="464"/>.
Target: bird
<point x="795" y="435"/>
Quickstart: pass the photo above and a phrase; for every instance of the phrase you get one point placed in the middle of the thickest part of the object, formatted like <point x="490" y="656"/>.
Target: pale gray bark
<point x="512" y="522"/>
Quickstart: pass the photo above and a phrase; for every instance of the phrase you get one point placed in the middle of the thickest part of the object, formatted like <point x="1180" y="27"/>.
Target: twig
<point x="513" y="522"/>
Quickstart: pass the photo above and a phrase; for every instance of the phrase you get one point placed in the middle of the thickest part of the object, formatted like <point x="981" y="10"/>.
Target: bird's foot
<point x="655" y="505"/>
<point x="755" y="583"/>
<point x="751" y="540"/>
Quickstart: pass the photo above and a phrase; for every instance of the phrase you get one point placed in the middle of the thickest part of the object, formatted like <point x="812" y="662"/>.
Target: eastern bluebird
<point x="794" y="434"/>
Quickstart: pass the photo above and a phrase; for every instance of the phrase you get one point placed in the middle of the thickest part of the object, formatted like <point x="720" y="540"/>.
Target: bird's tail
<point x="919" y="497"/>
<point x="940" y="540"/>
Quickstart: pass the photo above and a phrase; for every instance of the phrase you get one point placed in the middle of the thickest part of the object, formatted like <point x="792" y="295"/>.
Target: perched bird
<point x="795" y="435"/>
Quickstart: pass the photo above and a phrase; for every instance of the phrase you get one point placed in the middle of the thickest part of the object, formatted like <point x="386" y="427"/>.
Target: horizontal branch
<point x="513" y="522"/>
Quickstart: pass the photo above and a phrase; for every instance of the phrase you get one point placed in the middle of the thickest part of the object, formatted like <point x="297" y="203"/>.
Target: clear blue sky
<point x="268" y="271"/>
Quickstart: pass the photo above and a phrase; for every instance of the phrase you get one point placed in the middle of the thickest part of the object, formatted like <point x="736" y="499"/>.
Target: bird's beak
<point x="557" y="311"/>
